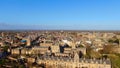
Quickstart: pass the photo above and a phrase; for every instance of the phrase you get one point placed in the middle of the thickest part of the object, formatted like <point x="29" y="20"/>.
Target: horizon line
<point x="55" y="30"/>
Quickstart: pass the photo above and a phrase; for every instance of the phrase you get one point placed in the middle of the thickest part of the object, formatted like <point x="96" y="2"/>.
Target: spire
<point x="76" y="57"/>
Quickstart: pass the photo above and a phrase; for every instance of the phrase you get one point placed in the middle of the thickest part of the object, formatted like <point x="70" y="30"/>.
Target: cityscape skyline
<point x="59" y="34"/>
<point x="60" y="14"/>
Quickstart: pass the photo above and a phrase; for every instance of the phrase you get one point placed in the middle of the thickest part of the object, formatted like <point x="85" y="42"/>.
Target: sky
<point x="60" y="14"/>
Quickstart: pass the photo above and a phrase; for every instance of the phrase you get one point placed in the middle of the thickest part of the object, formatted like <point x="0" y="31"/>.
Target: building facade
<point x="76" y="62"/>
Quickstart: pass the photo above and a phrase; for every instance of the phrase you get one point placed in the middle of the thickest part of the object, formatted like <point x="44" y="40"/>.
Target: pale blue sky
<point x="60" y="14"/>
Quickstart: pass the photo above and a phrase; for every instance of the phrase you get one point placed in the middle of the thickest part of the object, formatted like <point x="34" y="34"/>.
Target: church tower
<point x="28" y="41"/>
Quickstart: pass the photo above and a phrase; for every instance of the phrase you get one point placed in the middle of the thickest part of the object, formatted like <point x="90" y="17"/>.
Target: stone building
<point x="70" y="50"/>
<point x="31" y="60"/>
<point x="46" y="44"/>
<point x="62" y="54"/>
<point x="55" y="48"/>
<point x="28" y="42"/>
<point x="25" y="51"/>
<point x="40" y="50"/>
<point x="15" y="51"/>
<point x="76" y="62"/>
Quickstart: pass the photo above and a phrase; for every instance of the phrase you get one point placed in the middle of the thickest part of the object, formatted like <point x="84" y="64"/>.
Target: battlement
<point x="81" y="60"/>
<point x="67" y="62"/>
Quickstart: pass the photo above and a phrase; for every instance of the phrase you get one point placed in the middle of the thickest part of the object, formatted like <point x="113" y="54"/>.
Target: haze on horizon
<point x="60" y="14"/>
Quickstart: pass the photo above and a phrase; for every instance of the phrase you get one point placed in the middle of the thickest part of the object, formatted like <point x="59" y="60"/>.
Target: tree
<point x="5" y="48"/>
<point x="21" y="66"/>
<point x="107" y="49"/>
<point x="2" y="61"/>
